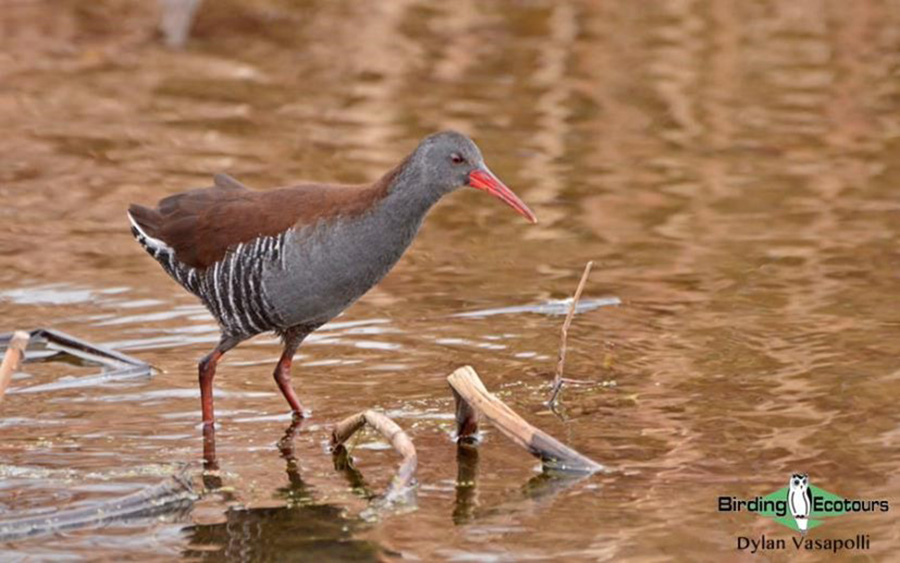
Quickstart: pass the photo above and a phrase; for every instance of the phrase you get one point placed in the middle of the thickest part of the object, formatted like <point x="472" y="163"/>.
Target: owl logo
<point x="799" y="500"/>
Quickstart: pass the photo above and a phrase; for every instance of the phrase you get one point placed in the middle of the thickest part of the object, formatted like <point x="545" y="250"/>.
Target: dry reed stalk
<point x="394" y="434"/>
<point x="468" y="388"/>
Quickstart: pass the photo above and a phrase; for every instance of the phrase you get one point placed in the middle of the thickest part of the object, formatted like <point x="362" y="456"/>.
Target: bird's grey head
<point x="799" y="481"/>
<point x="449" y="160"/>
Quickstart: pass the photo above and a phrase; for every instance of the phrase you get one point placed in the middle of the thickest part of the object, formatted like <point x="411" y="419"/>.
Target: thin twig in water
<point x="560" y="365"/>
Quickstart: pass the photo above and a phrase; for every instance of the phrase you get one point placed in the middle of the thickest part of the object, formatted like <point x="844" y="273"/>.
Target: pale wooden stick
<point x="564" y="335"/>
<point x="346" y="428"/>
<point x="13" y="357"/>
<point x="394" y="434"/>
<point x="556" y="455"/>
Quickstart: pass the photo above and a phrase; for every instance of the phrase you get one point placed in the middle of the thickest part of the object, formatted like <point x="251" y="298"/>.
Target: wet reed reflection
<point x="466" y="483"/>
<point x="543" y="487"/>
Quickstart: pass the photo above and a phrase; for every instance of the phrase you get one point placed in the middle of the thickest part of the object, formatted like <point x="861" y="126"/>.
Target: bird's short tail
<point x="145" y="226"/>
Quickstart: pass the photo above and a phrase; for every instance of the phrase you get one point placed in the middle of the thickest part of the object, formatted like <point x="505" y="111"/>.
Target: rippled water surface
<point x="733" y="169"/>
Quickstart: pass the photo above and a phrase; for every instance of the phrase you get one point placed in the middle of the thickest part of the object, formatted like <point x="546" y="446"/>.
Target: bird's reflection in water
<point x="303" y="530"/>
<point x="212" y="481"/>
<point x="296" y="492"/>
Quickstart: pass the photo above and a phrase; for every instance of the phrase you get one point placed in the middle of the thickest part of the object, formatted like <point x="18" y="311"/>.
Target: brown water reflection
<point x="731" y="168"/>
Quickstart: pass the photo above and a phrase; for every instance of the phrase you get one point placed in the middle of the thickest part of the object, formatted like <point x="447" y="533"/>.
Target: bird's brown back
<point x="202" y="224"/>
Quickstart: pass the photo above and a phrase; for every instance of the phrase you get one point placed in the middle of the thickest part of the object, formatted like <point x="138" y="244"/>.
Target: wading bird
<point x="290" y="259"/>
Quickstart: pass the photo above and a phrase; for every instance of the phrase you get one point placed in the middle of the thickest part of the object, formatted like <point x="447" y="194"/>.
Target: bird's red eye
<point x="456" y="158"/>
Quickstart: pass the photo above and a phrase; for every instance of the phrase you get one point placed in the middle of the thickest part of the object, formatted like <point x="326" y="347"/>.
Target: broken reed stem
<point x="466" y="419"/>
<point x="564" y="335"/>
<point x="13" y="357"/>
<point x="399" y="440"/>
<point x="468" y="388"/>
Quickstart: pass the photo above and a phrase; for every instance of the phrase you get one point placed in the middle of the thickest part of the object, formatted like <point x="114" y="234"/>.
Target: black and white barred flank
<point x="231" y="288"/>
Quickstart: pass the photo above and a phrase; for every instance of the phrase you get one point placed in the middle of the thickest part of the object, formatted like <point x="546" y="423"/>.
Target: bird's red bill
<point x="484" y="180"/>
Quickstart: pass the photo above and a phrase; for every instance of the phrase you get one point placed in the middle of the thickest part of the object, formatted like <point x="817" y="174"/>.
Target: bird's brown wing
<point x="202" y="224"/>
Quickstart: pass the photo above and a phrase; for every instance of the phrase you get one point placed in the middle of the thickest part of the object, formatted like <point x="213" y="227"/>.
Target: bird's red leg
<point x="283" y="371"/>
<point x="212" y="480"/>
<point x="283" y="379"/>
<point x="207" y="370"/>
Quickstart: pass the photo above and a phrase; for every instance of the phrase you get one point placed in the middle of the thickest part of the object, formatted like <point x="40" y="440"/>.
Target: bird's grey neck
<point x="409" y="197"/>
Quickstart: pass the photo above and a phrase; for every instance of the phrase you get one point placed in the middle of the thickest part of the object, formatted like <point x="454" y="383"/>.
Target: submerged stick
<point x="395" y="435"/>
<point x="553" y="453"/>
<point x="11" y="360"/>
<point x="48" y="344"/>
<point x="564" y="335"/>
<point x="174" y="491"/>
<point x="466" y="419"/>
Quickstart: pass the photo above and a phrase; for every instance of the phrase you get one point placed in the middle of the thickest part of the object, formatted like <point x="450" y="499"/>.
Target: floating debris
<point x="174" y="493"/>
<point x="553" y="307"/>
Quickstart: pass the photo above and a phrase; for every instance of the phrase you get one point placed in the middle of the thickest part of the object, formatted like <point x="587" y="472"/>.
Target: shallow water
<point x="731" y="168"/>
